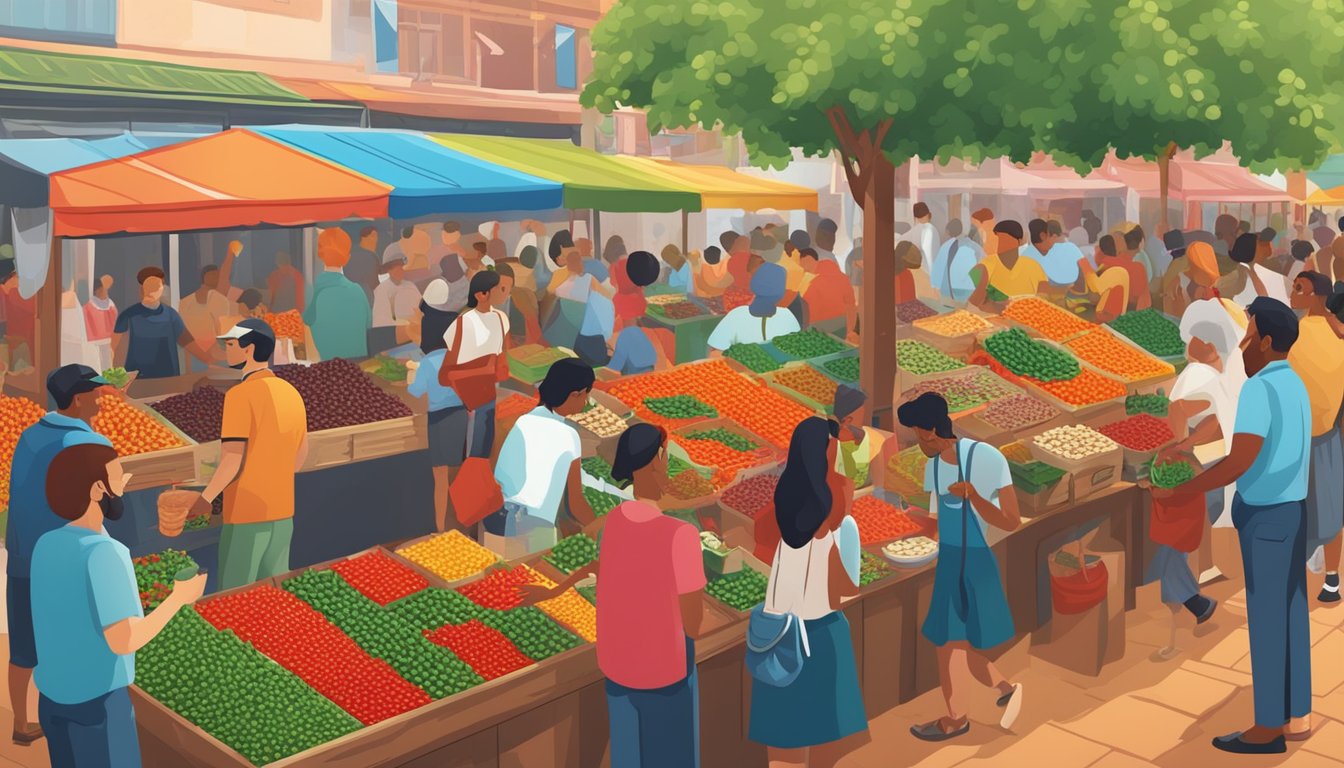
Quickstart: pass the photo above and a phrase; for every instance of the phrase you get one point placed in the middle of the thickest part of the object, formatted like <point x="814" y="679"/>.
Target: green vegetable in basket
<point x="726" y="437"/>
<point x="600" y="469"/>
<point x="572" y="553"/>
<point x="1151" y="330"/>
<point x="741" y="591"/>
<point x="679" y="407"/>
<point x="117" y="376"/>
<point x="1171" y="475"/>
<point x="1154" y="405"/>
<point x="919" y="358"/>
<point x="843" y="368"/>
<point x="600" y="501"/>
<point x="753" y="357"/>
<point x="805" y="345"/>
<point x="1026" y="356"/>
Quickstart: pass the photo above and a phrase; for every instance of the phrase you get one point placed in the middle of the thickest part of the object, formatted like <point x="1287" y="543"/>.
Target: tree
<point x="874" y="81"/>
<point x="1188" y="74"/>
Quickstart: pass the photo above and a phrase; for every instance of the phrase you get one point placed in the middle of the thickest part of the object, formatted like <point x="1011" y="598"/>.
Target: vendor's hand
<point x="412" y="366"/>
<point x="535" y="593"/>
<point x="962" y="490"/>
<point x="200" y="507"/>
<point x="189" y="591"/>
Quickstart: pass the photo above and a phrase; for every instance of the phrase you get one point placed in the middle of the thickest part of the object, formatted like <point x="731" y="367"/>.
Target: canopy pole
<point x="597" y="233"/>
<point x="685" y="227"/>
<point x="47" y="356"/>
<point x="174" y="271"/>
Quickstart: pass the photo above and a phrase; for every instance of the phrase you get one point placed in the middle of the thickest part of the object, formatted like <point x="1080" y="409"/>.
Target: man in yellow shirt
<point x="1318" y="358"/>
<point x="1008" y="271"/>
<point x="265" y="442"/>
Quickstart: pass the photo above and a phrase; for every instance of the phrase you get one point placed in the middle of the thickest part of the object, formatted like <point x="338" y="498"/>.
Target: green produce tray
<point x="820" y="364"/>
<point x="787" y="358"/>
<point x="532" y="374"/>
<point x="795" y="395"/>
<point x="1176" y="360"/>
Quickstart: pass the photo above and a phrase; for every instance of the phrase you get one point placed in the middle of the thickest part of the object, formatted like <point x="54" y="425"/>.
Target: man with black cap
<point x="74" y="390"/>
<point x="264" y="443"/>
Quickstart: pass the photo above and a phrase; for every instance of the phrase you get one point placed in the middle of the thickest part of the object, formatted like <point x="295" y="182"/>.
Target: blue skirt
<point x="824" y="704"/>
<point x="980" y="616"/>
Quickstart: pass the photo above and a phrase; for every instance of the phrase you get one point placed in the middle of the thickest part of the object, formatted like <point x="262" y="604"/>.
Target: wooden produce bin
<point x="1086" y="476"/>
<point x="174" y="466"/>
<point x="435" y="580"/>
<point x="1144" y="386"/>
<point x="362" y="442"/>
<point x="957" y="346"/>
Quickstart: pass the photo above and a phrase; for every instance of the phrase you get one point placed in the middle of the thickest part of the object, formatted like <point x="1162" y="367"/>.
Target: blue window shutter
<point x="566" y="58"/>
<point x="385" y="53"/>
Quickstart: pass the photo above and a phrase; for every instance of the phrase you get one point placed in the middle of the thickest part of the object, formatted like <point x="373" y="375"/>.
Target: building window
<point x="566" y="58"/>
<point x="431" y="44"/>
<point x="74" y="21"/>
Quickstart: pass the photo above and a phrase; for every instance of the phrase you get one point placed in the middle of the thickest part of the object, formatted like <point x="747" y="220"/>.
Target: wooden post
<point x="685" y="225"/>
<point x="878" y="341"/>
<point x="47" y="356"/>
<point x="597" y="233"/>
<point x="1164" y="158"/>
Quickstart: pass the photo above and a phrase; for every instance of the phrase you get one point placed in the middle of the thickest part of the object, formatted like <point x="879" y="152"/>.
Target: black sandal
<point x="933" y="731"/>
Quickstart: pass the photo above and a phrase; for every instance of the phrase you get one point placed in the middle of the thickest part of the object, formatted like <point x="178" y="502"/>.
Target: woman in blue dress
<point x="808" y="579"/>
<point x="968" y="613"/>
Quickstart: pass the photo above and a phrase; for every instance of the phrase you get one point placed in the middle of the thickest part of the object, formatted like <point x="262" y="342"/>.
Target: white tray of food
<point x="911" y="552"/>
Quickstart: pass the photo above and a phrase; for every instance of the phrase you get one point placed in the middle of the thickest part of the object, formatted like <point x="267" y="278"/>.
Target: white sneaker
<point x="1012" y="709"/>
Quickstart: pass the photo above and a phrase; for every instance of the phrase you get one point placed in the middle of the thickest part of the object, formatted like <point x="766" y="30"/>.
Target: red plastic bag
<point x="1178" y="522"/>
<point x="474" y="492"/>
<point x="1080" y="590"/>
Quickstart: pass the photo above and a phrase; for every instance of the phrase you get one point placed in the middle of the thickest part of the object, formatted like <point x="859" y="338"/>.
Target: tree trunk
<point x="878" y="342"/>
<point x="1164" y="157"/>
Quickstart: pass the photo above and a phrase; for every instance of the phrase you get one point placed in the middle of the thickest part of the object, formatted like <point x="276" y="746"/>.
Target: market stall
<point x="1073" y="405"/>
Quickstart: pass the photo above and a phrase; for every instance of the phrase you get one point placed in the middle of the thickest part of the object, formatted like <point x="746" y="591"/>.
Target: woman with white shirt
<point x="971" y="488"/>
<point x="808" y="579"/>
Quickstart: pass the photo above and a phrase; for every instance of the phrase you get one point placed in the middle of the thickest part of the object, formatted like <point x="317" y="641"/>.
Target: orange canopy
<point x="225" y="180"/>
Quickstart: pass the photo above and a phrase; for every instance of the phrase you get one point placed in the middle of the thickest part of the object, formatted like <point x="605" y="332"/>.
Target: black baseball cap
<point x="64" y="383"/>
<point x="249" y="325"/>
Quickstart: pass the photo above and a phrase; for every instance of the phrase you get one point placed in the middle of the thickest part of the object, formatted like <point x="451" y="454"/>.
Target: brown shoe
<point x="26" y="738"/>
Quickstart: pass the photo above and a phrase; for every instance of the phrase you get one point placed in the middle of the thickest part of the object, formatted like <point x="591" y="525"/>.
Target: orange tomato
<point x="131" y="431"/>
<point x="1113" y="356"/>
<point x="1052" y="322"/>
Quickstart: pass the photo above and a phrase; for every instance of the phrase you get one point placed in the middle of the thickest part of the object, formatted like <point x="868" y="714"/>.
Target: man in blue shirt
<point x="74" y="389"/>
<point x="1268" y="462"/>
<point x="87" y="616"/>
<point x="1057" y="256"/>
<point x="156" y="331"/>
<point x="951" y="270"/>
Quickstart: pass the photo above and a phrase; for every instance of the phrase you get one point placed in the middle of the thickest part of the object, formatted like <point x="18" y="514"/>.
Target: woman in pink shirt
<point x="100" y="315"/>
<point x="649" y="606"/>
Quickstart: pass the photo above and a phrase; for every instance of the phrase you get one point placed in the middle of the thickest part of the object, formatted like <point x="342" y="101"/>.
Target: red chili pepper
<point x="380" y="578"/>
<point x="487" y="650"/>
<point x="1141" y="432"/>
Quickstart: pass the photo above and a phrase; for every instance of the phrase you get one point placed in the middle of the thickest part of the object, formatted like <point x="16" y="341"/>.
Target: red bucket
<point x="1080" y="590"/>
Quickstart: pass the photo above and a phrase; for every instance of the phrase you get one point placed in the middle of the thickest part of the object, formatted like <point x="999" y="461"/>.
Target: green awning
<point x="592" y="181"/>
<point x="37" y="71"/>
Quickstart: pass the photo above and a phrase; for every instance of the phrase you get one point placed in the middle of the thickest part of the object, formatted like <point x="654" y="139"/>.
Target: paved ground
<point x="1141" y="711"/>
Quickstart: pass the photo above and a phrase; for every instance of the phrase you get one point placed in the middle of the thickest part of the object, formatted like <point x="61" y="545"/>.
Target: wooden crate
<point x="1144" y="386"/>
<point x="174" y="466"/>
<point x="434" y="579"/>
<point x="362" y="442"/>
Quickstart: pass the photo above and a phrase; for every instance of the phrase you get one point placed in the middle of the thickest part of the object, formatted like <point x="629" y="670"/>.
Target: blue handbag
<point x="777" y="642"/>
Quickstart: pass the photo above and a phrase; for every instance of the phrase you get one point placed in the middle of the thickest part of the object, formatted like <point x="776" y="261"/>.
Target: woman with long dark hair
<point x="968" y="613"/>
<point x="808" y="580"/>
<point x="453" y="339"/>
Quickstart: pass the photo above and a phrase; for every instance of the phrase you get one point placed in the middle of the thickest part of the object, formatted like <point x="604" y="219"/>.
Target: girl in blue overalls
<point x="968" y="613"/>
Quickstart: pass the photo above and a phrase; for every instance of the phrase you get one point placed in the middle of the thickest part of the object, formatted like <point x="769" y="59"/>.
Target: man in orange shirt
<point x="264" y="443"/>
<point x="828" y="299"/>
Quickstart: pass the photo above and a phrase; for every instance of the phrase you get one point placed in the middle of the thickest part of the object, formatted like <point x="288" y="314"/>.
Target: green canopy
<point x="592" y="181"/>
<point x="27" y="70"/>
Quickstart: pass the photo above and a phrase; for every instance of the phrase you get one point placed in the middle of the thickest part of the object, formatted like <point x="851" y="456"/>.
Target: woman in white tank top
<point x="808" y="579"/>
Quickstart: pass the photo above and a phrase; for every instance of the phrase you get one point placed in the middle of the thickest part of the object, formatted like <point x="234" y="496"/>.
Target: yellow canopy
<point x="721" y="187"/>
<point x="1326" y="197"/>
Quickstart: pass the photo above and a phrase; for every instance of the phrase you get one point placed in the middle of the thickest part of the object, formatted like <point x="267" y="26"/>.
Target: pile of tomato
<point x="879" y="521"/>
<point x="380" y="578"/>
<point x="131" y="430"/>
<point x="488" y="652"/>
<point x="727" y="462"/>
<point x="752" y="404"/>
<point x="287" y="325"/>
<point x="1087" y="388"/>
<point x="16" y="415"/>
<point x="1139" y="433"/>
<point x="1115" y="357"/>
<point x="1049" y="320"/>
<point x="498" y="589"/>
<point x="298" y="638"/>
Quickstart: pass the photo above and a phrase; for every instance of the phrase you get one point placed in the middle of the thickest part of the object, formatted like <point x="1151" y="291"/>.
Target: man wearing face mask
<point x="74" y="390"/>
<point x="264" y="443"/>
<point x="87" y="616"/>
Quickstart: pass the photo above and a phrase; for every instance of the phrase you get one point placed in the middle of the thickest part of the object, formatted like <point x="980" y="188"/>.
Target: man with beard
<point x="1269" y="463"/>
<point x="87" y="616"/>
<point x="74" y="389"/>
<point x="264" y="437"/>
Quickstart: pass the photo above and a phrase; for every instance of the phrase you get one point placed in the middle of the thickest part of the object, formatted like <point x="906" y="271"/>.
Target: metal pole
<point x="685" y="225"/>
<point x="597" y="233"/>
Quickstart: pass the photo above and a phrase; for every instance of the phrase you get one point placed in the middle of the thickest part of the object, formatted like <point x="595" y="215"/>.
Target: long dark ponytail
<point x="803" y="498"/>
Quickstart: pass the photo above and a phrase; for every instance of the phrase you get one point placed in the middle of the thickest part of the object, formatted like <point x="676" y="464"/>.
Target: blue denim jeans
<point x="657" y="728"/>
<point x="94" y="734"/>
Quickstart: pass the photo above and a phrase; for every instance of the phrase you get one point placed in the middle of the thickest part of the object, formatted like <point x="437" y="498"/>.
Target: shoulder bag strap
<point x="764" y="333"/>
<point x="951" y="257"/>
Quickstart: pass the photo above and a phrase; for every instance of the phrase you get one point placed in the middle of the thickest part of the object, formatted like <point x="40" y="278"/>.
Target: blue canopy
<point x="25" y="164"/>
<point x="426" y="177"/>
<point x="1330" y="174"/>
